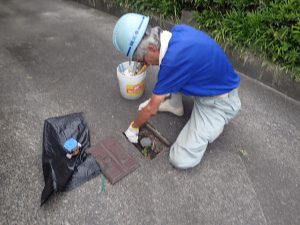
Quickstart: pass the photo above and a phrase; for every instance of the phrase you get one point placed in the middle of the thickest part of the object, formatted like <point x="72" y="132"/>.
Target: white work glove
<point x="132" y="134"/>
<point x="143" y="105"/>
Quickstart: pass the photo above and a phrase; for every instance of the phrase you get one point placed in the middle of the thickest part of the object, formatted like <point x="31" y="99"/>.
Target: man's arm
<point x="149" y="110"/>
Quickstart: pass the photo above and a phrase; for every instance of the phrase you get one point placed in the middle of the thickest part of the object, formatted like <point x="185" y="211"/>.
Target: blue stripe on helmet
<point x="128" y="51"/>
<point x="134" y="36"/>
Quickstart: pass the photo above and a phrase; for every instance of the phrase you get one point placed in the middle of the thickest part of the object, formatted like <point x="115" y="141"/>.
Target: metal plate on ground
<point x="113" y="159"/>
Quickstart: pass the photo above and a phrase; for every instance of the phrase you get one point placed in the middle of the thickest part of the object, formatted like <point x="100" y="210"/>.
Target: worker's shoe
<point x="172" y="104"/>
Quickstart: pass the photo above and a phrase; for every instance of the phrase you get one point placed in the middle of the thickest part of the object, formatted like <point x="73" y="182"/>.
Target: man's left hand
<point x="132" y="133"/>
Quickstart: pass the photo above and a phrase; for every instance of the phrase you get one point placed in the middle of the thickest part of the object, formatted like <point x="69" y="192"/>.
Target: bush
<point x="268" y="28"/>
<point x="170" y="9"/>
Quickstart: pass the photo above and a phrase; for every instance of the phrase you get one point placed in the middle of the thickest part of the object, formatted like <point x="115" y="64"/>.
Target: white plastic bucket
<point x="131" y="87"/>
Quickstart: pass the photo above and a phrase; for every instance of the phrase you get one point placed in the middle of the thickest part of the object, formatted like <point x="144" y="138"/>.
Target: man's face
<point x="152" y="56"/>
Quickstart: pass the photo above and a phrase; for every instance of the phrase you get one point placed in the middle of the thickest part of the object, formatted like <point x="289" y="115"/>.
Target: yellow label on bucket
<point x="134" y="90"/>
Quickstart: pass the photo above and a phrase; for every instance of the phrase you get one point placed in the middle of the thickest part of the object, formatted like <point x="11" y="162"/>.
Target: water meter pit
<point x="151" y="142"/>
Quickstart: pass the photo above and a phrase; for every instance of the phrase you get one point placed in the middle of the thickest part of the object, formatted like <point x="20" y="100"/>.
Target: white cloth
<point x="143" y="105"/>
<point x="165" y="37"/>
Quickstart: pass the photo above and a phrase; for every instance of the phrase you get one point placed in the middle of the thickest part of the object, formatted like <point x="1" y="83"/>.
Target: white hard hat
<point x="128" y="32"/>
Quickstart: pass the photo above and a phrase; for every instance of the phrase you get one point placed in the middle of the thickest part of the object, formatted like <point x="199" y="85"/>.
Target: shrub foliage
<point x="268" y="28"/>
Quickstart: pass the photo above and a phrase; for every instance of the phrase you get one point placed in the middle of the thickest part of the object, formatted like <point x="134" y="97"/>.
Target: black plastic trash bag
<point x="61" y="173"/>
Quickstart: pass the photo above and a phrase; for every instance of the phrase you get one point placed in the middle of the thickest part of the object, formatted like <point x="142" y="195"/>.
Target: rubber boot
<point x="172" y="104"/>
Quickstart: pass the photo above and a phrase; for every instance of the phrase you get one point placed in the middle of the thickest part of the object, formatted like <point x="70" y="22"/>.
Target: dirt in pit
<point x="156" y="147"/>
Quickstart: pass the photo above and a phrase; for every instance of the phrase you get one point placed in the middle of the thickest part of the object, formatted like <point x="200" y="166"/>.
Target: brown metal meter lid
<point x="114" y="161"/>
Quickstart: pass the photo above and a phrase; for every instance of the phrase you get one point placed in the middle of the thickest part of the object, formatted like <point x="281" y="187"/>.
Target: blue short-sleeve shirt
<point x="195" y="65"/>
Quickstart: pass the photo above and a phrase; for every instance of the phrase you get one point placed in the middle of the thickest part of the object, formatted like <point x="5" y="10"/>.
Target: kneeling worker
<point x="190" y="63"/>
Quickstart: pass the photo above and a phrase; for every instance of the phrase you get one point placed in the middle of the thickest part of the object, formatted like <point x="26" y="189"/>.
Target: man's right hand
<point x="143" y="105"/>
<point x="171" y="103"/>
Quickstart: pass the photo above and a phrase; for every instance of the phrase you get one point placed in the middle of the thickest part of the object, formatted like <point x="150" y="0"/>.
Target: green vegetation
<point x="268" y="28"/>
<point x="146" y="151"/>
<point x="166" y="9"/>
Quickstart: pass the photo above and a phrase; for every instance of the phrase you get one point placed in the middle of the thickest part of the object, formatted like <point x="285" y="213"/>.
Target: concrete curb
<point x="247" y="64"/>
